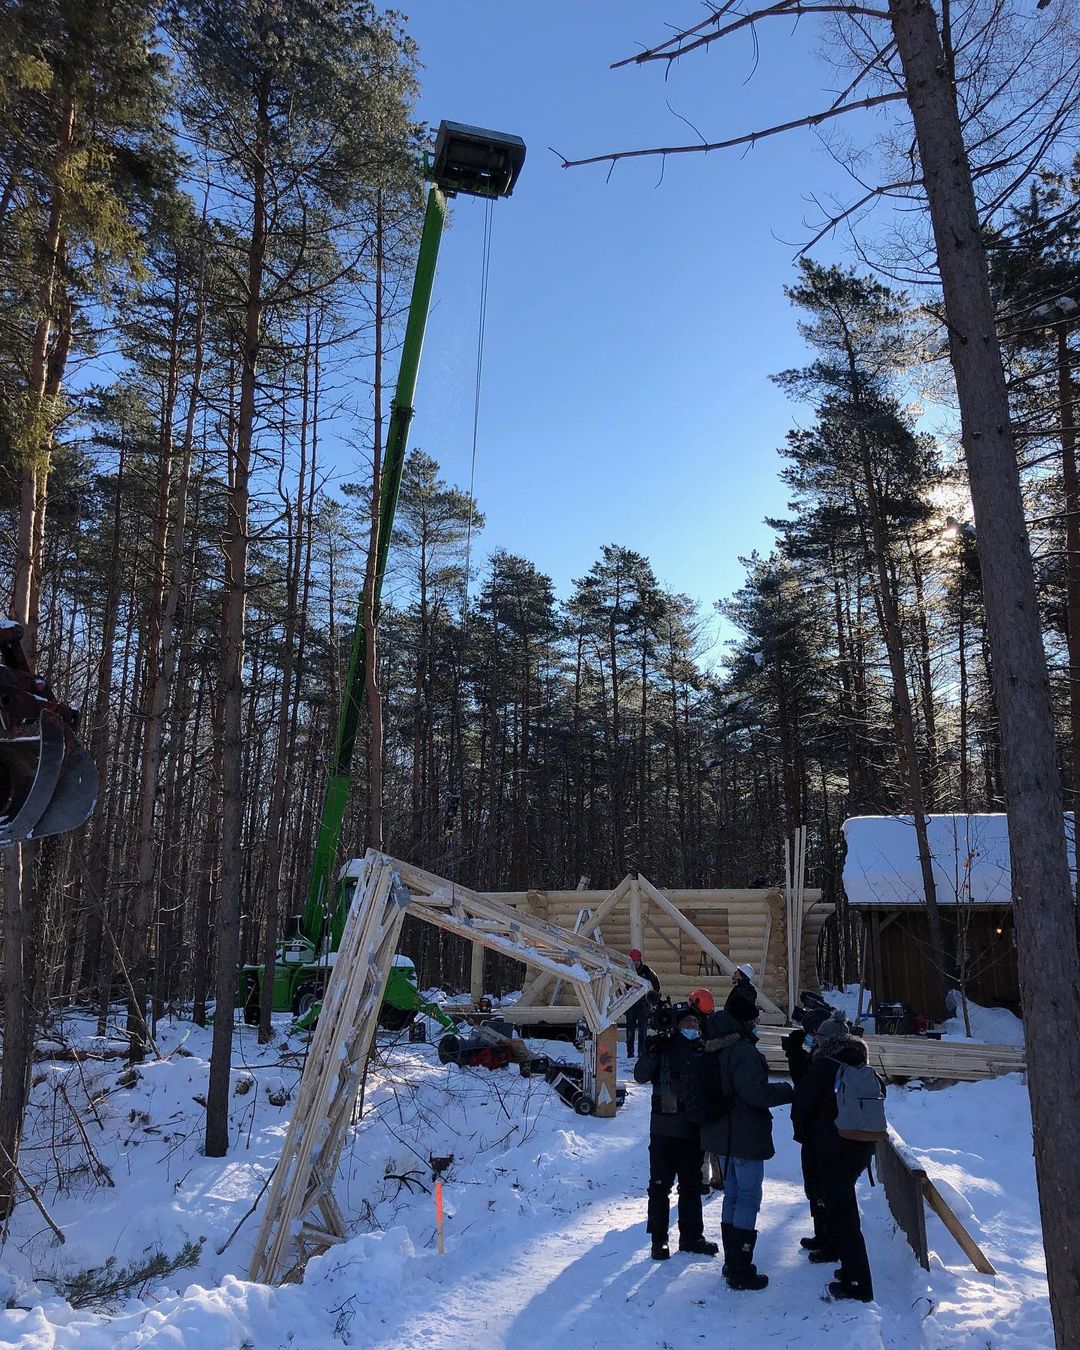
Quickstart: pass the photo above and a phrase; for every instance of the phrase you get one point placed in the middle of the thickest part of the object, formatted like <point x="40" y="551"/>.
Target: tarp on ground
<point x="970" y="853"/>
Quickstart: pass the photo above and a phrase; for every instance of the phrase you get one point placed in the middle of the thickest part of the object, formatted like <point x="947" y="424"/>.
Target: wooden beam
<point x="605" y="1048"/>
<point x="966" y="1242"/>
<point x="636" y="935"/>
<point x="695" y="934"/>
<point x="476" y="973"/>
<point x="617" y="896"/>
<point x="651" y="923"/>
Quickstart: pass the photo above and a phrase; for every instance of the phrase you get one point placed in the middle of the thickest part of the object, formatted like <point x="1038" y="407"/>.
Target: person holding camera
<point x="798" y="1046"/>
<point x="669" y="1062"/>
<point x="637" y="1017"/>
<point x="736" y="1098"/>
<point x="839" y="1159"/>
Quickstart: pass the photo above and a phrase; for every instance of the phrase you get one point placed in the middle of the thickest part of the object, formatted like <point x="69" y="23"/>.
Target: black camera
<point x="664" y="1015"/>
<point x="812" y="1003"/>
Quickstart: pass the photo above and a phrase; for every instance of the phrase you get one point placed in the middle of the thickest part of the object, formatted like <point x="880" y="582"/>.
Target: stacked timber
<point x="896" y="1057"/>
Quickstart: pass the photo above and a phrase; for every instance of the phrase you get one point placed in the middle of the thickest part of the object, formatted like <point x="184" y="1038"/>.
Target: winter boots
<point x="851" y="1289"/>
<point x="739" y="1268"/>
<point x="726" y="1231"/>
<point x="699" y="1246"/>
<point x="660" y="1251"/>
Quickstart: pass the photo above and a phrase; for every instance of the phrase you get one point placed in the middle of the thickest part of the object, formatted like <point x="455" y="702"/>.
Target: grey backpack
<point x="860" y="1104"/>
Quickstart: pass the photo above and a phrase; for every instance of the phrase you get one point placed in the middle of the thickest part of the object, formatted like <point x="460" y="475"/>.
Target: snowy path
<point x="585" y="1280"/>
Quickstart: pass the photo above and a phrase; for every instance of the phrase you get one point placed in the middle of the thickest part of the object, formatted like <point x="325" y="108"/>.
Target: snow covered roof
<point x="970" y="853"/>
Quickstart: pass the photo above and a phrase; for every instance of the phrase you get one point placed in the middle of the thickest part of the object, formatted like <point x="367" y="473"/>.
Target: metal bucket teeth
<point x="48" y="783"/>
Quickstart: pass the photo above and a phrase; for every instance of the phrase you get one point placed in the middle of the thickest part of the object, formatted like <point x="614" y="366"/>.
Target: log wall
<point x="739" y="922"/>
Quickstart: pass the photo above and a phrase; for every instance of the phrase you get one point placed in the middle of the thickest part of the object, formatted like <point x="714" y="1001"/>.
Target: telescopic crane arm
<point x="478" y="163"/>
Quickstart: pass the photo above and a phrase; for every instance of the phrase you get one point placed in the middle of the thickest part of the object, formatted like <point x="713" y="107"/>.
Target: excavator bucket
<point x="48" y="783"/>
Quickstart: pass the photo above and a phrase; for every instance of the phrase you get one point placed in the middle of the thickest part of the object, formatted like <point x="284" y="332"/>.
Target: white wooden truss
<point x="301" y="1218"/>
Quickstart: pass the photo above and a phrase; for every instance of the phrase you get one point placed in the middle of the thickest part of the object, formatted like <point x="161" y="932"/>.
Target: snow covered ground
<point x="544" y="1230"/>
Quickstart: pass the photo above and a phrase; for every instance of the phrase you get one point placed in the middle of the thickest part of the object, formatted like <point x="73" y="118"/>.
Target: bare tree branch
<point x="749" y="139"/>
<point x="671" y="50"/>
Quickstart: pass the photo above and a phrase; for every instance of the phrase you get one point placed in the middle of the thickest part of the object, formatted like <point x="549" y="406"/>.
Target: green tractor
<point x="303" y="964"/>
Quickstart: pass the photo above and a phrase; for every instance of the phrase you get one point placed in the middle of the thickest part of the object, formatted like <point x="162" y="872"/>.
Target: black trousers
<point x="637" y="1019"/>
<point x="671" y="1159"/>
<point x="811" y="1185"/>
<point x="836" y="1188"/>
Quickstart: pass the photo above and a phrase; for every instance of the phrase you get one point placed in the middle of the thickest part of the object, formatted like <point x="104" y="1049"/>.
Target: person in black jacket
<point x="735" y="1101"/>
<point x="839" y="1161"/>
<point x="797" y="1046"/>
<point x="742" y="986"/>
<point x="668" y="1062"/>
<point x="637" y="1017"/>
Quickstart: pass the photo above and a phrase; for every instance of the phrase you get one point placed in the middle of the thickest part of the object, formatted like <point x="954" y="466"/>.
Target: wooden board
<point x="916" y="1057"/>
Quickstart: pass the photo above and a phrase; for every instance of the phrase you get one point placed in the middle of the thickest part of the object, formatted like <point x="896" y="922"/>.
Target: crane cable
<point x="454" y="804"/>
<point x="481" y="333"/>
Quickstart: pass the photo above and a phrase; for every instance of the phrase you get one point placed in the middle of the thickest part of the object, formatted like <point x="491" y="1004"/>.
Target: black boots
<point x="660" y="1251"/>
<point x="699" y="1246"/>
<point x="853" y="1289"/>
<point x="739" y="1269"/>
<point x="726" y="1237"/>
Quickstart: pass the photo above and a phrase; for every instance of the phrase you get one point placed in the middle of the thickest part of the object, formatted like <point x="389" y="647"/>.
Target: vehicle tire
<point x="448" y="1049"/>
<point x="306" y="994"/>
<point x="395" y="1019"/>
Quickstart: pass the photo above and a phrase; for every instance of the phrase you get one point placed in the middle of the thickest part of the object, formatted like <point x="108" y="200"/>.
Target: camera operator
<point x="637" y="1017"/>
<point x="668" y="1061"/>
<point x="798" y="1046"/>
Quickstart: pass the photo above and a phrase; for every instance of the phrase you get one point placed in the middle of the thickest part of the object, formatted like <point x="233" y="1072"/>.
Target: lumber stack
<point x="916" y="1057"/>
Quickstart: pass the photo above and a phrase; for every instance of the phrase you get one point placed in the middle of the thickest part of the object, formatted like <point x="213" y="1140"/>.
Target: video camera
<point x="664" y="1015"/>
<point x="810" y="1003"/>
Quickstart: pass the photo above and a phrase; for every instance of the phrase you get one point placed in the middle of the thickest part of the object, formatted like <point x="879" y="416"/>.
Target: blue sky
<point x="631" y="327"/>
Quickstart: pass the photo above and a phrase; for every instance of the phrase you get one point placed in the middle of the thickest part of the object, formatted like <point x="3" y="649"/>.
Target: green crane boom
<point x="478" y="163"/>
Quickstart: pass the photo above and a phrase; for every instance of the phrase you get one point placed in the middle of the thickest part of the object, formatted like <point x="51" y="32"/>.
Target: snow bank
<point x="970" y="855"/>
<point x="991" y="1026"/>
<point x="544" y="1220"/>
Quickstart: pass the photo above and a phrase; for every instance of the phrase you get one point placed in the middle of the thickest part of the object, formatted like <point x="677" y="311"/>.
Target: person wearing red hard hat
<point x="637" y="1017"/>
<point x="712" y="1174"/>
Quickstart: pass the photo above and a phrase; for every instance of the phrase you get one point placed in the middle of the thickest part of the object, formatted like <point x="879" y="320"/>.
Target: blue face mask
<point x="691" y="1033"/>
<point x="808" y="1040"/>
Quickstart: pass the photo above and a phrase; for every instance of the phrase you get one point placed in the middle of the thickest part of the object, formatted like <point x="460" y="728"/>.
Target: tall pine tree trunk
<point x="235" y="548"/>
<point x="1044" y="911"/>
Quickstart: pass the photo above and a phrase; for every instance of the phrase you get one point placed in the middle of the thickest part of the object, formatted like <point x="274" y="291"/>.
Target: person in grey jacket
<point x="736" y="1097"/>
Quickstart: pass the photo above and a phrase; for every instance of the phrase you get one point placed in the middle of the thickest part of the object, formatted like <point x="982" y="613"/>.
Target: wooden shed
<point x="973" y="883"/>
<point x="690" y="938"/>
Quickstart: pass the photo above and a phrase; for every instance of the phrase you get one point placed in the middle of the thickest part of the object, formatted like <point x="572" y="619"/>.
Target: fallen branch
<point x="39" y="1204"/>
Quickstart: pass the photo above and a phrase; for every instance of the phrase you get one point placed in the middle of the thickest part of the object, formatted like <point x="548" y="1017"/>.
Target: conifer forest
<point x="209" y="220"/>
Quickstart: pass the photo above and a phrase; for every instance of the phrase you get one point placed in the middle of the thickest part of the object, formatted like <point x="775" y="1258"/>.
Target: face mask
<point x="809" y="1040"/>
<point x="691" y="1033"/>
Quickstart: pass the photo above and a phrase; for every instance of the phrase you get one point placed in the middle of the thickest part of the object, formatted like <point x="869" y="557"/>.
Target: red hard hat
<point x="635" y="955"/>
<point x="702" y="1000"/>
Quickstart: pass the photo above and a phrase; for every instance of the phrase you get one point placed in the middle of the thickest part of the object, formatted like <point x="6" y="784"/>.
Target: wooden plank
<point x="966" y="1242"/>
<point x="636" y="935"/>
<point x="915" y="1057"/>
<point x="604" y="1074"/>
<point x="724" y="962"/>
<point x="476" y="973"/>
